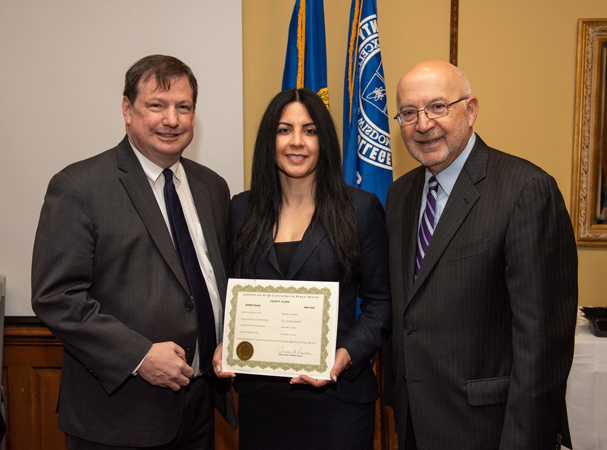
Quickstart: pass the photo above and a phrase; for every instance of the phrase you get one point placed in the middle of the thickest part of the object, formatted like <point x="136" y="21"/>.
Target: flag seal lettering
<point x="367" y="158"/>
<point x="373" y="144"/>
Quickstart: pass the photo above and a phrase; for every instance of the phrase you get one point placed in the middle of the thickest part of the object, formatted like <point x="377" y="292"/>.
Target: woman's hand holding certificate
<point x="342" y="362"/>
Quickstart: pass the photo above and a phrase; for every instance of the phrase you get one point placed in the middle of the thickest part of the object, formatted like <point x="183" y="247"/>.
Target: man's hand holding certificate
<point x="280" y="327"/>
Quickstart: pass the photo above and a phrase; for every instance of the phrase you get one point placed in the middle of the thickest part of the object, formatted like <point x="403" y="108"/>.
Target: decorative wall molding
<point x="589" y="99"/>
<point x="453" y="36"/>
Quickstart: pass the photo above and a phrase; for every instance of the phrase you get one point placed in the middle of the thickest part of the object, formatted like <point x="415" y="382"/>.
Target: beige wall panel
<point x="263" y="50"/>
<point x="520" y="59"/>
<point x="409" y="32"/>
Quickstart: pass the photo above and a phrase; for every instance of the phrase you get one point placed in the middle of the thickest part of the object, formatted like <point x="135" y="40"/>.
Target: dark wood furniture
<point x="30" y="375"/>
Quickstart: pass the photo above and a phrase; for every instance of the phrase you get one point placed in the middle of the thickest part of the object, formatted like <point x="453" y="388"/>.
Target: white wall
<point x="61" y="78"/>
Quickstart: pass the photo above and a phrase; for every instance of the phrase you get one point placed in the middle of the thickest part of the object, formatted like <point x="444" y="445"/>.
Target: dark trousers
<point x="410" y="437"/>
<point x="197" y="429"/>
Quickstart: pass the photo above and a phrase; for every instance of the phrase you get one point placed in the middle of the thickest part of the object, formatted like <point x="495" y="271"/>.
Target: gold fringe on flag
<point x="352" y="51"/>
<point x="301" y="43"/>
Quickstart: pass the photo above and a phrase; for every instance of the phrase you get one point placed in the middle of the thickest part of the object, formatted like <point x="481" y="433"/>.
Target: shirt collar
<point x="153" y="171"/>
<point x="447" y="178"/>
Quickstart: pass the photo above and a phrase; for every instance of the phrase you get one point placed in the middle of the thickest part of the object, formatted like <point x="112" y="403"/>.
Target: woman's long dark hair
<point x="333" y="205"/>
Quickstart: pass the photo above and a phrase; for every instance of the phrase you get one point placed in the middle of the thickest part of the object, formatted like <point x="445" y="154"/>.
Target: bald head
<point x="439" y="71"/>
<point x="436" y="141"/>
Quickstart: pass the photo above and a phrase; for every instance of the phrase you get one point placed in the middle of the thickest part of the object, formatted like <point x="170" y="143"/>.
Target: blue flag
<point x="367" y="153"/>
<point x="306" y="62"/>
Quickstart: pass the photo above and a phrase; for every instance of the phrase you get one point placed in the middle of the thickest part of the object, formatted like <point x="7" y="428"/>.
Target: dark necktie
<point x="189" y="262"/>
<point x="426" y="227"/>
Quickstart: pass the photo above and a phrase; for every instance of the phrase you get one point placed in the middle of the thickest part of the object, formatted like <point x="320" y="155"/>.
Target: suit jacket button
<point x="189" y="351"/>
<point x="408" y="330"/>
<point x="189" y="306"/>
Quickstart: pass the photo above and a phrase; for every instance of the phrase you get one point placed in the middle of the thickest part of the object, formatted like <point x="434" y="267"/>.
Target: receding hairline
<point x="439" y="66"/>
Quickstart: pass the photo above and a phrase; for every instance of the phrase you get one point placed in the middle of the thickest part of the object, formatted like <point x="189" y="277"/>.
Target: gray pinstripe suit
<point x="482" y="340"/>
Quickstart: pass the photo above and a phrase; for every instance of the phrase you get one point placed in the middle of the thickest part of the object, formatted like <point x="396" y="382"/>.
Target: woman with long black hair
<point x="300" y="221"/>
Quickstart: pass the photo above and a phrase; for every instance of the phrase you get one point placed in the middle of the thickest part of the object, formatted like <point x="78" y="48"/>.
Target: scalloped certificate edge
<point x="327" y="328"/>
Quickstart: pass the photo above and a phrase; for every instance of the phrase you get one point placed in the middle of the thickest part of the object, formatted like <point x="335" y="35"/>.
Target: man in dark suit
<point x="110" y="280"/>
<point x="483" y="270"/>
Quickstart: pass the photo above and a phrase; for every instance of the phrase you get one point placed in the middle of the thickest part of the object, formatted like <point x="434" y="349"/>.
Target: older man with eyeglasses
<point x="483" y="269"/>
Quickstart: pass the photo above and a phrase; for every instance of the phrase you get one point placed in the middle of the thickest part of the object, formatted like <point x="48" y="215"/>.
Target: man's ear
<point x="472" y="108"/>
<point x="126" y="110"/>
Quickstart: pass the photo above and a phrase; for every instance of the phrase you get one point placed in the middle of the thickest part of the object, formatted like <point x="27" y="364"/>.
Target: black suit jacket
<point x="483" y="339"/>
<point x="108" y="283"/>
<point x="316" y="260"/>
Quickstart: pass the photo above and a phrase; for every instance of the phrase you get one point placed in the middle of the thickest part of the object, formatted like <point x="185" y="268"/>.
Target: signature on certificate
<point x="292" y="351"/>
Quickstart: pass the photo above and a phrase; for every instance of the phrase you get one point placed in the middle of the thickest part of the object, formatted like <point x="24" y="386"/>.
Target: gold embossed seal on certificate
<point x="244" y="351"/>
<point x="280" y="327"/>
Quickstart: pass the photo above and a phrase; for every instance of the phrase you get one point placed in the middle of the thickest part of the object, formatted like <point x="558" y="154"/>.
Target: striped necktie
<point x="426" y="227"/>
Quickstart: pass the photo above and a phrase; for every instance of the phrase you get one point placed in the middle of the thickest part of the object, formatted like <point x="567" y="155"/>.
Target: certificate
<point x="281" y="328"/>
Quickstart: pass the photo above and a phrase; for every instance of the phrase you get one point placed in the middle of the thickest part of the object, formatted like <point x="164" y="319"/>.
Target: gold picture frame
<point x="590" y="133"/>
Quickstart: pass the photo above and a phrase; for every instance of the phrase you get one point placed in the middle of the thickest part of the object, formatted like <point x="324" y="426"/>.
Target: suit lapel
<point x="410" y="220"/>
<point x="310" y="240"/>
<point x="138" y="188"/>
<point x="270" y="257"/>
<point x="463" y="197"/>
<point x="205" y="216"/>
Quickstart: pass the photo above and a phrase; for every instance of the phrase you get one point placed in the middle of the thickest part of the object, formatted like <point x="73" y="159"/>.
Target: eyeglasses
<point x="433" y="111"/>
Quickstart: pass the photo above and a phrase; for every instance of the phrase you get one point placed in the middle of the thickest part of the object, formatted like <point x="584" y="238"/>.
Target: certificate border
<point x="322" y="367"/>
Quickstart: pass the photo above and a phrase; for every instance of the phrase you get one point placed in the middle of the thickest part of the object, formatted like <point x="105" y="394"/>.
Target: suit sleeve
<point x="62" y="274"/>
<point x="234" y="219"/>
<point x="365" y="338"/>
<point x="389" y="362"/>
<point x="541" y="277"/>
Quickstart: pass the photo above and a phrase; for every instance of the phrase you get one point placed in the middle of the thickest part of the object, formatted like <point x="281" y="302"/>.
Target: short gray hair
<point x="467" y="91"/>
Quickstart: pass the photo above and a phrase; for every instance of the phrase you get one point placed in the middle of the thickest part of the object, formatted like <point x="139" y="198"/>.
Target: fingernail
<point x="217" y="368"/>
<point x="334" y="378"/>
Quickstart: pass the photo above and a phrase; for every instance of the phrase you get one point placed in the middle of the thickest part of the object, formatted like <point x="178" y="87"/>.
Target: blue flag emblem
<point x="367" y="152"/>
<point x="375" y="92"/>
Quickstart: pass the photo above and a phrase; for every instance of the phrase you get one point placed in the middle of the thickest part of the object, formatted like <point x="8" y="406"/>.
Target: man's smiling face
<point x="436" y="143"/>
<point x="160" y="123"/>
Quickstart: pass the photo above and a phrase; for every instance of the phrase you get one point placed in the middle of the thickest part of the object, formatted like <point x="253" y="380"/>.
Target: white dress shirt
<point x="156" y="179"/>
<point x="446" y="180"/>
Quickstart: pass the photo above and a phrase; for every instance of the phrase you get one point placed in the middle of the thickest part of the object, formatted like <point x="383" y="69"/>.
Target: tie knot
<point x="433" y="183"/>
<point x="168" y="174"/>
